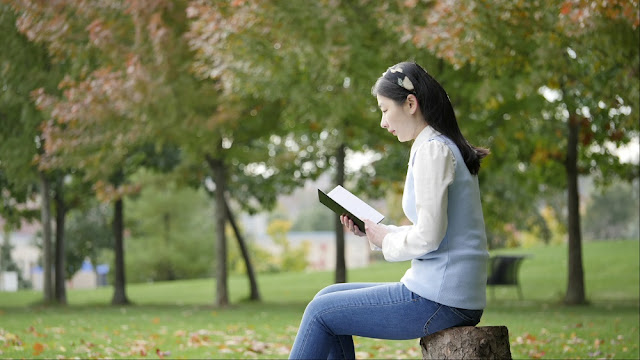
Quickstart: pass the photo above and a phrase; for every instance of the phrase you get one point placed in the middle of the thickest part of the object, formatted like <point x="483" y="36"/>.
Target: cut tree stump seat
<point x="467" y="342"/>
<point x="503" y="270"/>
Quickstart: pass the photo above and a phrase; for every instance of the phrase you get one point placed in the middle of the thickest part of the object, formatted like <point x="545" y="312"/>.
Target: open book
<point x="341" y="201"/>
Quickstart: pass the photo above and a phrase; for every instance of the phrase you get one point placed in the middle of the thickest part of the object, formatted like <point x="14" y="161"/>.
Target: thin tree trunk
<point x="341" y="268"/>
<point x="46" y="238"/>
<point x="222" y="294"/>
<point x="60" y="256"/>
<point x="575" y="285"/>
<point x="255" y="294"/>
<point x="119" y="290"/>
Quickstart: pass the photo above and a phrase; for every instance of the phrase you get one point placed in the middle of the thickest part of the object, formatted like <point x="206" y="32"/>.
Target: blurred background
<point x="157" y="140"/>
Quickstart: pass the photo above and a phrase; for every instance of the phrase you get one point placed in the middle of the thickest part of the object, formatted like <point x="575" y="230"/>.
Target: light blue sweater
<point x="455" y="274"/>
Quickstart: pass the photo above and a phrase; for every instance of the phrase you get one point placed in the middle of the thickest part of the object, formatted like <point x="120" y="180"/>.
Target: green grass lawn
<point x="177" y="320"/>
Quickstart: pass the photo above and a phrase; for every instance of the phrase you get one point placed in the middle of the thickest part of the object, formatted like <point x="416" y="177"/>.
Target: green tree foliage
<point x="316" y="61"/>
<point x="170" y="231"/>
<point x="263" y="260"/>
<point x="612" y="213"/>
<point x="260" y="96"/>
<point x="19" y="118"/>
<point x="87" y="234"/>
<point x="116" y="97"/>
<point x="291" y="258"/>
<point x="315" y="217"/>
<point x="584" y="52"/>
<point x="24" y="68"/>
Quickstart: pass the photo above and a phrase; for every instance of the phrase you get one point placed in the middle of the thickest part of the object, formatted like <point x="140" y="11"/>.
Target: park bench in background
<point x="503" y="270"/>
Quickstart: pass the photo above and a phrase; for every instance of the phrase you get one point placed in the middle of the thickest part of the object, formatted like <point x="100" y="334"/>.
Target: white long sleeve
<point x="433" y="171"/>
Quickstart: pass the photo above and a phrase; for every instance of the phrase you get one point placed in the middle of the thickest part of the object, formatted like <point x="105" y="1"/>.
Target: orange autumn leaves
<point x="236" y="342"/>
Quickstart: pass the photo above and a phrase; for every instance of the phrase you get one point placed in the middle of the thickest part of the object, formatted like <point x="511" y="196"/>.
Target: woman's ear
<point x="412" y="102"/>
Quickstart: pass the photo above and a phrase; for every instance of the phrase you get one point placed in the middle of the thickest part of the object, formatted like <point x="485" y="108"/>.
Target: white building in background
<point x="24" y="251"/>
<point x="9" y="281"/>
<point x="85" y="278"/>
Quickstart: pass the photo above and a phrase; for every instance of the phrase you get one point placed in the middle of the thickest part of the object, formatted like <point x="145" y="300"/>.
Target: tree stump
<point x="467" y="342"/>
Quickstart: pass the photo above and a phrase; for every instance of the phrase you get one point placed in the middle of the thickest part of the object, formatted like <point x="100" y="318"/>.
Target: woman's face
<point x="400" y="120"/>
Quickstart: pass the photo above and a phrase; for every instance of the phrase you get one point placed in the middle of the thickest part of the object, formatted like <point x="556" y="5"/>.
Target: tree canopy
<point x="249" y="99"/>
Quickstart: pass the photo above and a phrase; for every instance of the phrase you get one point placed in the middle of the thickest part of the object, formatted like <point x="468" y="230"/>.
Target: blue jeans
<point x="374" y="310"/>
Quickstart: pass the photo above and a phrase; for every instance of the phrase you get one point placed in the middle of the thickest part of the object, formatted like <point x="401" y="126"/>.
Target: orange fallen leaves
<point x="162" y="354"/>
<point x="37" y="349"/>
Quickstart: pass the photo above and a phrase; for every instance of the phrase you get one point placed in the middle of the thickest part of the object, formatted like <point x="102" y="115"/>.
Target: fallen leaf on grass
<point x="10" y="339"/>
<point x="257" y="347"/>
<point x="37" y="349"/>
<point x="526" y="339"/>
<point x="198" y="340"/>
<point x="536" y="354"/>
<point x="35" y="333"/>
<point x="281" y="349"/>
<point x="595" y="353"/>
<point x="162" y="354"/>
<point x="364" y="355"/>
<point x="597" y="343"/>
<point x="139" y="347"/>
<point x="574" y="339"/>
<point x="223" y="349"/>
<point x="58" y="330"/>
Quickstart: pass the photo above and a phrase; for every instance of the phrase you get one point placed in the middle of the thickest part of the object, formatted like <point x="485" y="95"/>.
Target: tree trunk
<point x="45" y="213"/>
<point x="341" y="267"/>
<point x="219" y="177"/>
<point x="119" y="290"/>
<point x="575" y="285"/>
<point x="467" y="342"/>
<point x="255" y="294"/>
<point x="60" y="256"/>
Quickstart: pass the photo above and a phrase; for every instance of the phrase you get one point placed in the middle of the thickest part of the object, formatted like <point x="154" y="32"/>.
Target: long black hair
<point x="434" y="104"/>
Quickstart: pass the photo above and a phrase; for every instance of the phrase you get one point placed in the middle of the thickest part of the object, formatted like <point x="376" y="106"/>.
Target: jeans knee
<point x="313" y="314"/>
<point x="327" y="290"/>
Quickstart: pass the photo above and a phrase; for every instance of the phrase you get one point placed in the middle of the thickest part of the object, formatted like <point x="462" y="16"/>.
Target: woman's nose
<point x="383" y="124"/>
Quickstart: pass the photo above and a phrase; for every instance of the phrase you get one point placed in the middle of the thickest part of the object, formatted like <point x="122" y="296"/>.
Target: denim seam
<point x="461" y="315"/>
<point x="426" y="325"/>
<point x="344" y="353"/>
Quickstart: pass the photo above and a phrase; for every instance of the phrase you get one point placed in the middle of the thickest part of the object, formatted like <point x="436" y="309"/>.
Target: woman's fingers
<point x="350" y="225"/>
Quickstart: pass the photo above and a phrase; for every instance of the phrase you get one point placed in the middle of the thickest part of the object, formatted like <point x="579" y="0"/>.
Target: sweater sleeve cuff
<point x="388" y="249"/>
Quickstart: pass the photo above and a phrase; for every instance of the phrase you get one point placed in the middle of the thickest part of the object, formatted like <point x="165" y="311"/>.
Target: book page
<point x="354" y="205"/>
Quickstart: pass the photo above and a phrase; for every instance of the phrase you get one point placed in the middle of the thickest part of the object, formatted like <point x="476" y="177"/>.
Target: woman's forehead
<point x="382" y="100"/>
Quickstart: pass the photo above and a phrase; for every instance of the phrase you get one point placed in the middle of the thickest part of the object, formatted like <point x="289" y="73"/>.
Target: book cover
<point x="342" y="201"/>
